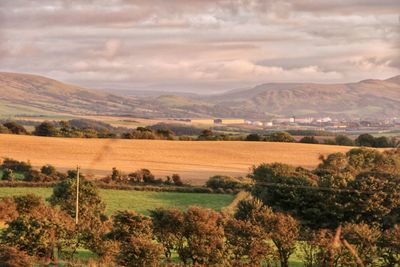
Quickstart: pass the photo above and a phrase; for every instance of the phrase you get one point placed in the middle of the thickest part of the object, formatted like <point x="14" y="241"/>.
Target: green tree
<point x="223" y="181"/>
<point x="343" y="140"/>
<point x="92" y="218"/>
<point x="309" y="140"/>
<point x="46" y="129"/>
<point x="365" y="140"/>
<point x="254" y="137"/>
<point x="280" y="137"/>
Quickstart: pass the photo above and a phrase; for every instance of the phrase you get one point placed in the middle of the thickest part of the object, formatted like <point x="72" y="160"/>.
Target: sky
<point x="200" y="46"/>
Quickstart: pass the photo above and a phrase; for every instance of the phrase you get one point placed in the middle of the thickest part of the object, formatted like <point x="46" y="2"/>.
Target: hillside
<point x="368" y="98"/>
<point x="26" y="94"/>
<point x="194" y="161"/>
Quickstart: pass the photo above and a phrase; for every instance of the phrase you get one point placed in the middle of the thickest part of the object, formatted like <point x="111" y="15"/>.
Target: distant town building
<point x="201" y="121"/>
<point x="268" y="124"/>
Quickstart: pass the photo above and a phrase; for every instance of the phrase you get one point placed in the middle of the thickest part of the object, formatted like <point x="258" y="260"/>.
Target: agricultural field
<point x="139" y="201"/>
<point x="195" y="161"/>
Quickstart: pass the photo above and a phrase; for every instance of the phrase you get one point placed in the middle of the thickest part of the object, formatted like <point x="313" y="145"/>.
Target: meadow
<point x="139" y="201"/>
<point x="195" y="161"/>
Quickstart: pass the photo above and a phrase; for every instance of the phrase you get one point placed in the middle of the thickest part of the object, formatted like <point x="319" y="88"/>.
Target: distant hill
<point x="368" y="98"/>
<point x="26" y="93"/>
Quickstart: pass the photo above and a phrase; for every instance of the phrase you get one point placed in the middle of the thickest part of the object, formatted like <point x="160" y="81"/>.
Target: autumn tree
<point x="167" y="228"/>
<point x="202" y="239"/>
<point x="133" y="232"/>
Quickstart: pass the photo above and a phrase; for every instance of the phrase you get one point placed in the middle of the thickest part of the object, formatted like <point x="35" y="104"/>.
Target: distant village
<point x="321" y="123"/>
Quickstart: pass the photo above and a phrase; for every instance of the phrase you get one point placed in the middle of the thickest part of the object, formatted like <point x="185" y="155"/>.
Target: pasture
<point x="195" y="161"/>
<point x="139" y="201"/>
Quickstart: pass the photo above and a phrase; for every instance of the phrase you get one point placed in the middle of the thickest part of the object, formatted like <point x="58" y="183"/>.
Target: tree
<point x="46" y="129"/>
<point x="39" y="231"/>
<point x="49" y="170"/>
<point x="382" y="141"/>
<point x="167" y="228"/>
<point x="92" y="218"/>
<point x="254" y="137"/>
<point x="389" y="246"/>
<point x="133" y="232"/>
<point x="202" y="239"/>
<point x="116" y="174"/>
<point x="365" y="140"/>
<point x="139" y="252"/>
<point x="342" y="140"/>
<point x="176" y="178"/>
<point x="280" y="137"/>
<point x="364" y="239"/>
<point x="309" y="140"/>
<point x="15" y="128"/>
<point x="284" y="232"/>
<point x="247" y="243"/>
<point x="12" y="257"/>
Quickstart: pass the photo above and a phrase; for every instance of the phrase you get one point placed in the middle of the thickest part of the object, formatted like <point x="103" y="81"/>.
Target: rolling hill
<point x="368" y="98"/>
<point x="32" y="94"/>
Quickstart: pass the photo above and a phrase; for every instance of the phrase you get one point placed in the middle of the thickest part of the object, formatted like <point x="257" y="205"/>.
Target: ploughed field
<point x="195" y="161"/>
<point x="139" y="201"/>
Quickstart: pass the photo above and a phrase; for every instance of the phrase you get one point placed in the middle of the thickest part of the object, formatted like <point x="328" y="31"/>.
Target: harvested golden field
<point x="195" y="161"/>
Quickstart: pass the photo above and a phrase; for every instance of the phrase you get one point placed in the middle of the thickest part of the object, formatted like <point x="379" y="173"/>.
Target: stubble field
<point x="195" y="161"/>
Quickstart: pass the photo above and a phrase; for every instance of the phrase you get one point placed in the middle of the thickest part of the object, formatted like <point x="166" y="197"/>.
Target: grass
<point x="195" y="161"/>
<point x="140" y="201"/>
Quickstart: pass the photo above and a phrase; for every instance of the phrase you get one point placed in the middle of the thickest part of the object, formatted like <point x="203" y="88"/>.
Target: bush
<point x="309" y="140"/>
<point x="16" y="166"/>
<point x="254" y="137"/>
<point x="342" y="140"/>
<point x="8" y="175"/>
<point x="280" y="137"/>
<point x="223" y="182"/>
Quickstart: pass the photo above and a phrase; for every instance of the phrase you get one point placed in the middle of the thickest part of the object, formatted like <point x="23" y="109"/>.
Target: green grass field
<point x="140" y="201"/>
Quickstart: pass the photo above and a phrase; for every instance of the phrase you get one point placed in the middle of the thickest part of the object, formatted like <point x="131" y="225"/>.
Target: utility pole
<point x="77" y="196"/>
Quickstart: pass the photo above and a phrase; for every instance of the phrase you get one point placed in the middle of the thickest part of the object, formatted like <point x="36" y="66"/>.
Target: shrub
<point x="223" y="182"/>
<point x="280" y="137"/>
<point x="16" y="166"/>
<point x="8" y="175"/>
<point x="342" y="140"/>
<point x="8" y="209"/>
<point x="46" y="129"/>
<point x="309" y="140"/>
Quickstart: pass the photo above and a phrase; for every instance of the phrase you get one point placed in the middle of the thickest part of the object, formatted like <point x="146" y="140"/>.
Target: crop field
<point x="140" y="201"/>
<point x="195" y="161"/>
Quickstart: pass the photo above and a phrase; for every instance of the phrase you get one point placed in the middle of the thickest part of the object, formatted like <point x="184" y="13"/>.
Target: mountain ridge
<point x="367" y="98"/>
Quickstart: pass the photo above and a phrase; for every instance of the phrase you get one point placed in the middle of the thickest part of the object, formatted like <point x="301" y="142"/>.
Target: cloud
<point x="200" y="44"/>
